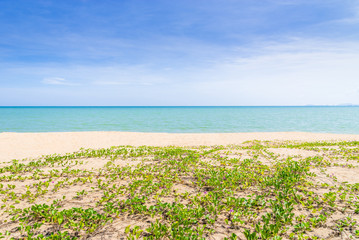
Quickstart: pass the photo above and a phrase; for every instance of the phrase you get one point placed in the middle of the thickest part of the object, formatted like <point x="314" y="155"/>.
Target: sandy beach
<point x="32" y="145"/>
<point x="130" y="190"/>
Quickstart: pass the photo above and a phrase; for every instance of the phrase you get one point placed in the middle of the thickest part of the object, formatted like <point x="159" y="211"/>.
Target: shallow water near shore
<point x="180" y="119"/>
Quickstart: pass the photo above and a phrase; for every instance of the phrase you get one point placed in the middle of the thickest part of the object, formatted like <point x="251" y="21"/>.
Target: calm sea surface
<point x="180" y="119"/>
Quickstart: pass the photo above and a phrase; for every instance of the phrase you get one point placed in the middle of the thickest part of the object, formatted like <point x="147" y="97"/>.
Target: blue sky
<point x="202" y="52"/>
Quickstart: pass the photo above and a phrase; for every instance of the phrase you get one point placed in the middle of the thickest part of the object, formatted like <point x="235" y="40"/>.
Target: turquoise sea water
<point x="180" y="119"/>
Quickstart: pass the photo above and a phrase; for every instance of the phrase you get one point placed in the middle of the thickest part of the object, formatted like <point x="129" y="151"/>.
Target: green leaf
<point x="60" y="219"/>
<point x="127" y="230"/>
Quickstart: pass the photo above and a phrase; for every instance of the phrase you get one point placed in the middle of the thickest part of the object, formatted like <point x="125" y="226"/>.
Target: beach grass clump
<point x="256" y="190"/>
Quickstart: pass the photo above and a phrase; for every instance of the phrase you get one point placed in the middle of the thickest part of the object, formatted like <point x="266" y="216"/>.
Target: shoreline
<point x="32" y="145"/>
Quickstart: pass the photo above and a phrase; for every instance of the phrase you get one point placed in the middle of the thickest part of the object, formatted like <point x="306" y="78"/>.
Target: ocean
<point x="181" y="119"/>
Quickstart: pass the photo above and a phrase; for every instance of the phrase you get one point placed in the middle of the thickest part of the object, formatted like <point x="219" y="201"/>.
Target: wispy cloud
<point x="233" y="53"/>
<point x="122" y="83"/>
<point x="298" y="71"/>
<point x="354" y="16"/>
<point x="57" y="81"/>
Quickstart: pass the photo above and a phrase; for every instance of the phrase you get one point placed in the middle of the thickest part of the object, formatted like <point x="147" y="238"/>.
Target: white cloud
<point x="57" y="81"/>
<point x="122" y="83"/>
<point x="294" y="73"/>
<point x="297" y="72"/>
<point x="116" y="83"/>
<point x="355" y="15"/>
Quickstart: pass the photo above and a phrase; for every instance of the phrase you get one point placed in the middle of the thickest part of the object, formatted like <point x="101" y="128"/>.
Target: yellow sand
<point x="31" y="145"/>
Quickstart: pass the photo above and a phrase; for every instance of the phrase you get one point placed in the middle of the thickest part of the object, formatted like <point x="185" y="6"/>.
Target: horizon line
<point x="129" y="106"/>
